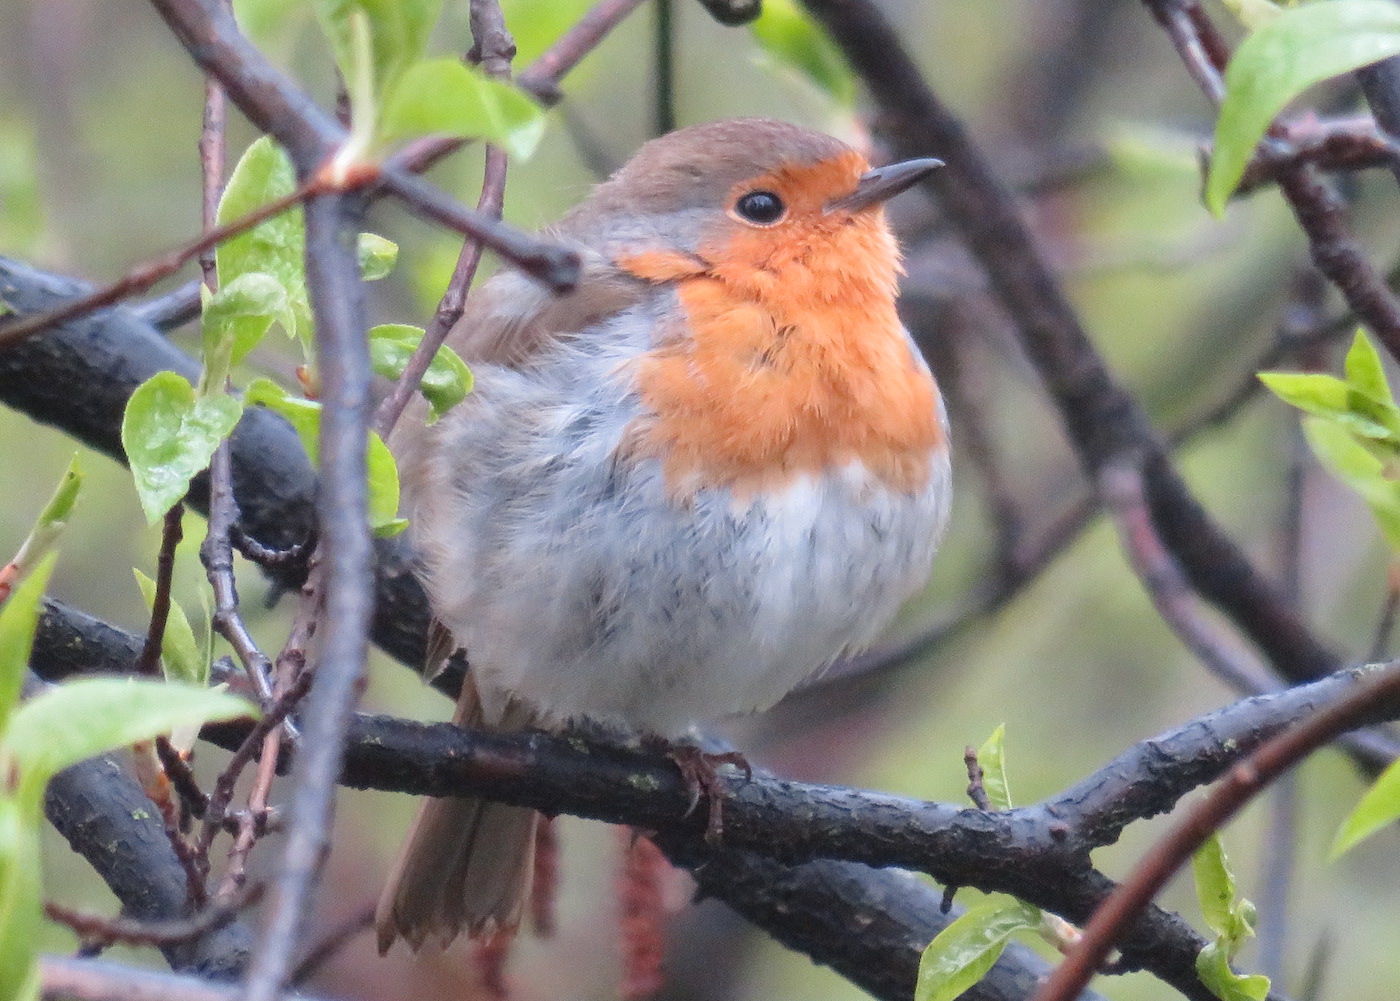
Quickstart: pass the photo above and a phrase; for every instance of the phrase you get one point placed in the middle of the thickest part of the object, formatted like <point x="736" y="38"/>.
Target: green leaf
<point x="399" y="31"/>
<point x="78" y="719"/>
<point x="383" y="489"/>
<point x="991" y="757"/>
<point x="791" y="41"/>
<point x="305" y="418"/>
<point x="447" y="381"/>
<point x="169" y="436"/>
<point x="20" y="896"/>
<point x="444" y="96"/>
<point x="304" y="415"/>
<point x="1215" y="885"/>
<point x="1364" y="370"/>
<point x="1327" y="396"/>
<point x="1379" y="808"/>
<point x="1213" y="967"/>
<point x="1253" y="14"/>
<point x="52" y="520"/>
<point x="18" y="618"/>
<point x="179" y="652"/>
<point x="1302" y="46"/>
<point x="1359" y="469"/>
<point x="377" y="256"/>
<point x="276" y="246"/>
<point x="963" y="952"/>
<point x="236" y="318"/>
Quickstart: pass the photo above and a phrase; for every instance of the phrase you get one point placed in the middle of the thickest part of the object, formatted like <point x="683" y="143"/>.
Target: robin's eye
<point x="762" y="207"/>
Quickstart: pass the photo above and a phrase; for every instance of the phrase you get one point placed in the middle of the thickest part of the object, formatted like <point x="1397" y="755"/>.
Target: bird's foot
<point x="700" y="770"/>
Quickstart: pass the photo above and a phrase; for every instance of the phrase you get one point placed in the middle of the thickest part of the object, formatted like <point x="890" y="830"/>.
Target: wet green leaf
<point x="180" y="653"/>
<point x="447" y="381"/>
<point x="1287" y="54"/>
<point x="1215" y="886"/>
<point x="236" y="318"/>
<point x="445" y="96"/>
<point x="52" y="520"/>
<point x="1214" y="969"/>
<point x="792" y="41"/>
<point x="1379" y="808"/>
<point x="964" y="951"/>
<point x="377" y="256"/>
<point x="276" y="246"/>
<point x="1352" y="463"/>
<point x="991" y="757"/>
<point x="78" y="719"/>
<point x="169" y="435"/>
<point x="20" y="897"/>
<point x="305" y="417"/>
<point x="399" y="31"/>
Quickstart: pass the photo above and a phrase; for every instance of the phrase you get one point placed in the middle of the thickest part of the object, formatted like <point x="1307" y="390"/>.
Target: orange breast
<point x="792" y="360"/>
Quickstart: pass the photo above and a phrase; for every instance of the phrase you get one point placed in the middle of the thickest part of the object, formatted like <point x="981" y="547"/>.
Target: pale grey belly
<point x="576" y="585"/>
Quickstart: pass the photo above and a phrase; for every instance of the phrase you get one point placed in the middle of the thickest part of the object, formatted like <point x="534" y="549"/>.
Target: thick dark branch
<point x="810" y="907"/>
<point x="106" y="817"/>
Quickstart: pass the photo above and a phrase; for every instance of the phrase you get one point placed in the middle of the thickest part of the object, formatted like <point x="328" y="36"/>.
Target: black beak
<point x="883" y="183"/>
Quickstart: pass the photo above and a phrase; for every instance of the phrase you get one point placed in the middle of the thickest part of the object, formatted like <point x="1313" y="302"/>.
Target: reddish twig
<point x="1125" y="495"/>
<point x="213" y="153"/>
<point x="148" y="663"/>
<point x="543" y="75"/>
<point x="1239" y="785"/>
<point x="186" y="786"/>
<point x="143" y="276"/>
<point x="98" y="931"/>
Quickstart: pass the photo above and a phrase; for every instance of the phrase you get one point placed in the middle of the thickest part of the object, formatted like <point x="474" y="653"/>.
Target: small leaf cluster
<point x="962" y="953"/>
<point x="1231" y="919"/>
<point x="172" y="427"/>
<point x="1353" y="427"/>
<point x="395" y="92"/>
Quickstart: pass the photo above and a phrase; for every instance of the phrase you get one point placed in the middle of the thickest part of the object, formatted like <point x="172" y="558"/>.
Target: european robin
<point x="679" y="490"/>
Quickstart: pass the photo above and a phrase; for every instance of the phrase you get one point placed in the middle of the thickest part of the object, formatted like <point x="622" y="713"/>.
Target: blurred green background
<point x="1084" y="104"/>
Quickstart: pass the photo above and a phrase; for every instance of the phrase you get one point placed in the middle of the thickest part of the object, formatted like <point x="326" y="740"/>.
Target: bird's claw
<point x="701" y="773"/>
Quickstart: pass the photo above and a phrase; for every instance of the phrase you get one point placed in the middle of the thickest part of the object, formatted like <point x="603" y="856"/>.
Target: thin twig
<point x="1125" y="496"/>
<point x="217" y="555"/>
<point x="664" y="69"/>
<point x="213" y="153"/>
<point x="342" y="357"/>
<point x="148" y="663"/>
<point x="493" y="48"/>
<point x="143" y="276"/>
<point x="95" y="929"/>
<point x="177" y="769"/>
<point x="543" y="75"/>
<point x="1240" y="784"/>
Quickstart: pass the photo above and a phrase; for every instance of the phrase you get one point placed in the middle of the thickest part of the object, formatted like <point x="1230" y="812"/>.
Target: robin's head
<point x="750" y="189"/>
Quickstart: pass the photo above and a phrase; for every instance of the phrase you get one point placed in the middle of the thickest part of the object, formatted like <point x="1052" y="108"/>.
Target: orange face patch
<point x="793" y="359"/>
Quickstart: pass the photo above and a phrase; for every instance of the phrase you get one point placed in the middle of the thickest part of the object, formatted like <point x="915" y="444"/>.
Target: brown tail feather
<point x="466" y="865"/>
